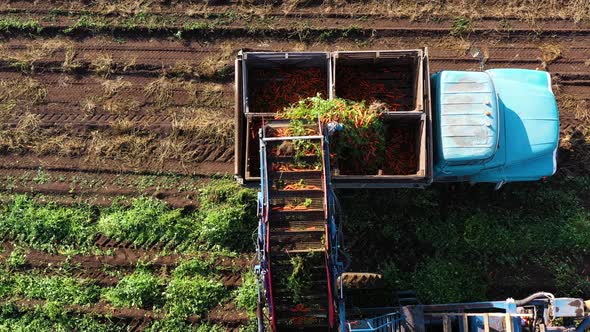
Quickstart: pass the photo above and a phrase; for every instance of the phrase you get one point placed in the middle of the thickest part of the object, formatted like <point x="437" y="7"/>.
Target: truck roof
<point x="467" y="113"/>
<point x="531" y="119"/>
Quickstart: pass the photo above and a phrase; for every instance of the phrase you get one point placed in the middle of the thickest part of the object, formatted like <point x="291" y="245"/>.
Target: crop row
<point x="225" y="219"/>
<point x="173" y="301"/>
<point x="425" y="10"/>
<point x="304" y="28"/>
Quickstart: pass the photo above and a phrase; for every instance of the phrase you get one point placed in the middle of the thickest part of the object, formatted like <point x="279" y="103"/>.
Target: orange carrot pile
<point x="400" y="154"/>
<point x="373" y="84"/>
<point x="271" y="90"/>
<point x="286" y="167"/>
<point x="290" y="207"/>
<point x="297" y="186"/>
<point x="288" y="131"/>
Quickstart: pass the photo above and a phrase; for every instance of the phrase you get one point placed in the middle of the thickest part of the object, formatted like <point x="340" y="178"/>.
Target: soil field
<point x="102" y="100"/>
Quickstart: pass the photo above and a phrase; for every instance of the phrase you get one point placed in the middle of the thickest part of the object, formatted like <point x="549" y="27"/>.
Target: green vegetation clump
<point x="59" y="289"/>
<point x="170" y="324"/>
<point x="228" y="215"/>
<point x="197" y="26"/>
<point x="48" y="226"/>
<point x="191" y="267"/>
<point x="15" y="23"/>
<point x="446" y="281"/>
<point x="87" y="22"/>
<point x="251" y="326"/>
<point x="460" y="26"/>
<point x="141" y="289"/>
<point x="226" y="220"/>
<point x="247" y="293"/>
<point x="17" y="258"/>
<point x="147" y="221"/>
<point x="176" y="324"/>
<point x="192" y="290"/>
<point x="193" y="295"/>
<point x="209" y="328"/>
<point x="299" y="279"/>
<point x="5" y="285"/>
<point x="49" y="318"/>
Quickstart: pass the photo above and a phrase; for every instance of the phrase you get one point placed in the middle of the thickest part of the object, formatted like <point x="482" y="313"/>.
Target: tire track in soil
<point x="75" y="90"/>
<point x="123" y="257"/>
<point x="102" y="189"/>
<point x="162" y="54"/>
<point x="204" y="168"/>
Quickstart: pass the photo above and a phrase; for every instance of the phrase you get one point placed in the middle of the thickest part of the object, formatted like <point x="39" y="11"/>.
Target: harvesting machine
<point x="495" y="126"/>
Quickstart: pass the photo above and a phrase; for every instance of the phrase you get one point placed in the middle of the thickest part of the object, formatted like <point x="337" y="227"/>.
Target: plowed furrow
<point x="121" y="257"/>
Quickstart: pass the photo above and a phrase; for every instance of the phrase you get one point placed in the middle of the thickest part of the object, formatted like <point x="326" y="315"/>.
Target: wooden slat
<point x="465" y="323"/>
<point x="447" y="324"/>
<point x="508" y="319"/>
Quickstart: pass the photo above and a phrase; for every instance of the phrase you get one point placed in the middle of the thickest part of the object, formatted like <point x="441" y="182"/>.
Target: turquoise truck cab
<point x="498" y="125"/>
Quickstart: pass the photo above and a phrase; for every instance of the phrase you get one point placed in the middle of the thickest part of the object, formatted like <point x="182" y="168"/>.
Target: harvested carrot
<point x="366" y="144"/>
<point x="290" y="207"/>
<point x="284" y="167"/>
<point x="300" y="187"/>
<point x="277" y="88"/>
<point x="400" y="155"/>
<point x="362" y="83"/>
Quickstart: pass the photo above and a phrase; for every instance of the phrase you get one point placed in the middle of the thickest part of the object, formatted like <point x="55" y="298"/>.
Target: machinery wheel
<point x="362" y="280"/>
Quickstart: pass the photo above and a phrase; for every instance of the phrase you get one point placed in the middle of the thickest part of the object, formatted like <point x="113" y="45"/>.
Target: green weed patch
<point x="226" y="220"/>
<point x="228" y="215"/>
<point x="175" y="324"/>
<point x="49" y="318"/>
<point x="58" y="289"/>
<point x="141" y="289"/>
<point x="48" y="227"/>
<point x="447" y="281"/>
<point x="16" y="23"/>
<point x="147" y="221"/>
<point x="189" y="296"/>
<point x="247" y="293"/>
<point x="192" y="267"/>
<point x="192" y="290"/>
